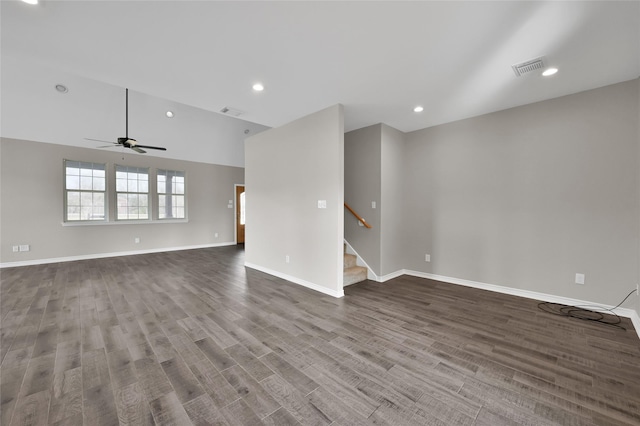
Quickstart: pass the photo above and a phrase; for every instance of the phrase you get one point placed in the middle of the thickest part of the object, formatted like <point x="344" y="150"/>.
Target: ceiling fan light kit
<point x="126" y="141"/>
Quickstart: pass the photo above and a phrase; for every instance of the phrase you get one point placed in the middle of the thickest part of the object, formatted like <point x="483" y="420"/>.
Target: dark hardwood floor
<point x="193" y="337"/>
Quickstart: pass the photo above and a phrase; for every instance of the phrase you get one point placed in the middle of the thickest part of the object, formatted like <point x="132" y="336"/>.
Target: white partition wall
<point x="291" y="172"/>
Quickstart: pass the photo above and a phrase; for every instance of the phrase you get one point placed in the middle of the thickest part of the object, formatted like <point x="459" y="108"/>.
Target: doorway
<point x="240" y="206"/>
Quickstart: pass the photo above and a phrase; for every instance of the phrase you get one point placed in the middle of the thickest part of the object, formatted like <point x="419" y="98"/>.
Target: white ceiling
<point x="379" y="59"/>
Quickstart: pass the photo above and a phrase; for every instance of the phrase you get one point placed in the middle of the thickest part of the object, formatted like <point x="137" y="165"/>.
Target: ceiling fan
<point x="126" y="141"/>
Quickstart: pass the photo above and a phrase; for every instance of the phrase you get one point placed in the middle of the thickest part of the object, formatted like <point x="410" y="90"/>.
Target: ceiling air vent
<point x="231" y="111"/>
<point x="528" y="66"/>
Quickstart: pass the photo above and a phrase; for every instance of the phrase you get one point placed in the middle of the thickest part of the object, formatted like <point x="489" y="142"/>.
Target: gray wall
<point x="32" y="208"/>
<point x="528" y="197"/>
<point x="287" y="170"/>
<point x="362" y="185"/>
<point x="638" y="200"/>
<point x="374" y="172"/>
<point x="393" y="203"/>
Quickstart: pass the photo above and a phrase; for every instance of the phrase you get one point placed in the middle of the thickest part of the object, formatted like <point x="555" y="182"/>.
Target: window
<point x="171" y="189"/>
<point x="132" y="193"/>
<point x="85" y="191"/>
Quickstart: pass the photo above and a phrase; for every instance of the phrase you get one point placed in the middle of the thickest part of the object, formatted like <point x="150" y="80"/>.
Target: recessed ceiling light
<point x="258" y="87"/>
<point x="549" y="71"/>
<point x="61" y="88"/>
<point x="169" y="114"/>
<point x="30" y="1"/>
<point x="418" y="109"/>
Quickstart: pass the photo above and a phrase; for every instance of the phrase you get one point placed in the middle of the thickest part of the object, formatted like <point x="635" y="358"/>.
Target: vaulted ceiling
<point x="379" y="59"/>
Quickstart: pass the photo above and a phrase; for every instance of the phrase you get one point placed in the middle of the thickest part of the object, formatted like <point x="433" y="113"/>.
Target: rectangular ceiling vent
<point x="528" y="66"/>
<point x="231" y="111"/>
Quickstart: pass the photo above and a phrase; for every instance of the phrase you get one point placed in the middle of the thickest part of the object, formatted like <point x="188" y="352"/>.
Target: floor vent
<point x="528" y="66"/>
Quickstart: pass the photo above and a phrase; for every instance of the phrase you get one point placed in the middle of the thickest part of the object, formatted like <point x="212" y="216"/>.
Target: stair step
<point x="349" y="260"/>
<point x="354" y="274"/>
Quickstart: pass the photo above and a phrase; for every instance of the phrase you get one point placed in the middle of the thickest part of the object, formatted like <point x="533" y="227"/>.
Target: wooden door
<point x="240" y="214"/>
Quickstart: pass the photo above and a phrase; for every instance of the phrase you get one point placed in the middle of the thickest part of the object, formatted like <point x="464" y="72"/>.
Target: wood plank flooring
<point x="193" y="337"/>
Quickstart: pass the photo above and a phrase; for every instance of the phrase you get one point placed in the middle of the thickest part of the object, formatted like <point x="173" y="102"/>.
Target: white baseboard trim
<point x="392" y="275"/>
<point x="295" y="280"/>
<point x="104" y="255"/>
<point x="623" y="312"/>
<point x="635" y="319"/>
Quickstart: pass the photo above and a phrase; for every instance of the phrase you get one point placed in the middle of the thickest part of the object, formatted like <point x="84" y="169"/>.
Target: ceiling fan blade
<point x="98" y="140"/>
<point x="136" y="149"/>
<point x="108" y="146"/>
<point x="152" y="147"/>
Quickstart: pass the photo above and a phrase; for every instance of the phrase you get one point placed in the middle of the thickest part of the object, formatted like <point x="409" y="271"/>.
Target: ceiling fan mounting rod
<point x="126" y="123"/>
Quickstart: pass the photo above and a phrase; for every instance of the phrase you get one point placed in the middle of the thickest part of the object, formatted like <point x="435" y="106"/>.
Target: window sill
<point x="125" y="222"/>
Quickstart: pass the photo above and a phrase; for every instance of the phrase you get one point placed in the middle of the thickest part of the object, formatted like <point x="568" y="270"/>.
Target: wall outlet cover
<point x="580" y="279"/>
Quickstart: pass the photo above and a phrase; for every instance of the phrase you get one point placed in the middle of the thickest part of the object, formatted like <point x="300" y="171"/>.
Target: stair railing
<point x="364" y="222"/>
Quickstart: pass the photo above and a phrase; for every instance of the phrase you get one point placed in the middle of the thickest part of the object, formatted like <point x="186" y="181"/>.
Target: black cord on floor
<point x="581" y="312"/>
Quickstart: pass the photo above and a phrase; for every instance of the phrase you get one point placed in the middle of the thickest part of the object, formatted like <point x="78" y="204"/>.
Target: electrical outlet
<point x="215" y="235"/>
<point x="580" y="279"/>
<point x="24" y="247"/>
<point x="16" y="249"/>
<point x="286" y="259"/>
<point x="136" y="240"/>
<point x="427" y="258"/>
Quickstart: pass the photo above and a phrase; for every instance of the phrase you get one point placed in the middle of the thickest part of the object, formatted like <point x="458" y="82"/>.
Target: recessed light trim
<point x="30" y="1"/>
<point x="549" y="71"/>
<point x="258" y="87"/>
<point x="62" y="88"/>
<point x="418" y="108"/>
<point x="169" y="114"/>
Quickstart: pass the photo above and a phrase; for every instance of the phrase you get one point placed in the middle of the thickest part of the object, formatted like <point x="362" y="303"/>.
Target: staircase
<point x="352" y="272"/>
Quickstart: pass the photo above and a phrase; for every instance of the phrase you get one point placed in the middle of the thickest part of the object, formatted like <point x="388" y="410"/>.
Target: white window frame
<point x="132" y="189"/>
<point x="173" y="196"/>
<point x="98" y="213"/>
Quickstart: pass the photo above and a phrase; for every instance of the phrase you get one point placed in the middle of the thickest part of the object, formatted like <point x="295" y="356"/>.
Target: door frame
<point x="235" y="212"/>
